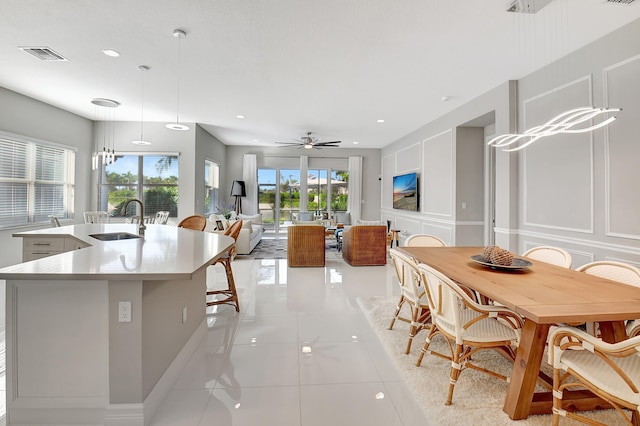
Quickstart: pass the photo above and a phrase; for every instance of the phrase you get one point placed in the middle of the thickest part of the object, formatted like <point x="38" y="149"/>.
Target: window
<point x="211" y="186"/>
<point x="279" y="203"/>
<point x="153" y="179"/>
<point x="36" y="180"/>
<point x="267" y="195"/>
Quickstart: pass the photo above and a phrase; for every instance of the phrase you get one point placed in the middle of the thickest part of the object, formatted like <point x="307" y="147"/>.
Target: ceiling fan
<point x="310" y="142"/>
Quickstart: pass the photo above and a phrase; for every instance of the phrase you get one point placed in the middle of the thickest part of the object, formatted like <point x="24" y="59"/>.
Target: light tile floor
<point x="299" y="353"/>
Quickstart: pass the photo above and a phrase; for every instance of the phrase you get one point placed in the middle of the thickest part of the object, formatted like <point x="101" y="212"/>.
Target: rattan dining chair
<point x="609" y="370"/>
<point x="412" y="295"/>
<point x="424" y="240"/>
<point x="195" y="222"/>
<point x="554" y="255"/>
<point x="161" y="218"/>
<point x="230" y="294"/>
<point x="96" y="217"/>
<point x="615" y="271"/>
<point x="468" y="327"/>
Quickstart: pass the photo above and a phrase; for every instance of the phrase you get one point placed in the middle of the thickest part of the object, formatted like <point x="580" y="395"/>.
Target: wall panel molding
<point x="621" y="151"/>
<point x="557" y="172"/>
<point x="437" y="177"/>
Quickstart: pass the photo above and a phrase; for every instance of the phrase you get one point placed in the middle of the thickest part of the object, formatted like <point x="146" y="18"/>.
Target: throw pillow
<point x="255" y="218"/>
<point x="306" y="216"/>
<point x="217" y="220"/>
<point x="369" y="222"/>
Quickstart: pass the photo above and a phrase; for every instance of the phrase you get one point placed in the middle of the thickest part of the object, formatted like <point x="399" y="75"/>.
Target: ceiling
<point x="332" y="67"/>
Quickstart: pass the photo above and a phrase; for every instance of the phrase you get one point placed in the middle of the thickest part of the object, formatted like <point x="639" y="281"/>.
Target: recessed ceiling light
<point x="256" y="140"/>
<point x="381" y="121"/>
<point x="111" y="52"/>
<point x="239" y="116"/>
<point x="109" y="103"/>
<point x="356" y="142"/>
<point x="445" y="98"/>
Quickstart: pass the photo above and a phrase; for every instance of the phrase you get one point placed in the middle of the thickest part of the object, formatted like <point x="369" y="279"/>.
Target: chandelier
<point x="106" y="155"/>
<point x="563" y="123"/>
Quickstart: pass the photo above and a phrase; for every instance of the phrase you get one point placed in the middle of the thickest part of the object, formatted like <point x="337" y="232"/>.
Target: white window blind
<point x="36" y="181"/>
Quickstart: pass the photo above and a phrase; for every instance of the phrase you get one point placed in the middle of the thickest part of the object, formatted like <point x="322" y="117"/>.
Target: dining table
<point x="544" y="295"/>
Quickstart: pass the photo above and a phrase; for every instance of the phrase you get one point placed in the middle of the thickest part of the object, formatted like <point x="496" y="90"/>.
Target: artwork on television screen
<point x="405" y="192"/>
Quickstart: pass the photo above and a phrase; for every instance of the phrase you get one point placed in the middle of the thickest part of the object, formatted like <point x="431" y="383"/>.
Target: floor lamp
<point x="238" y="191"/>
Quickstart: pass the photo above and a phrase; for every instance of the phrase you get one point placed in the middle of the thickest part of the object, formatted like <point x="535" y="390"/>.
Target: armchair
<point x="365" y="245"/>
<point x="306" y="245"/>
<point x="609" y="370"/>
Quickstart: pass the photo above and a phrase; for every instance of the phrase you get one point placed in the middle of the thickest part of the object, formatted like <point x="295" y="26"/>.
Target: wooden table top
<point x="543" y="293"/>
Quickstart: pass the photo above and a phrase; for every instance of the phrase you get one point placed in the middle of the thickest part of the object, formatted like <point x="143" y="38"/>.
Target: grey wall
<point x="25" y="116"/>
<point x="572" y="191"/>
<point x="448" y="160"/>
<point x="208" y="147"/>
<point x="577" y="191"/>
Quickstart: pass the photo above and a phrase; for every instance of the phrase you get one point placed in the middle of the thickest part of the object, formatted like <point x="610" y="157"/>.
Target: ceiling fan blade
<point x="328" y="143"/>
<point x="289" y="143"/>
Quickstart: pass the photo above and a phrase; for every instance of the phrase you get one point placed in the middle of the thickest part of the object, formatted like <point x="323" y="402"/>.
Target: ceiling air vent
<point x="43" y="53"/>
<point x="626" y="2"/>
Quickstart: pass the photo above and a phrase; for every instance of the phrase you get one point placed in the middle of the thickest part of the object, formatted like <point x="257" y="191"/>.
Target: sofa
<point x="250" y="234"/>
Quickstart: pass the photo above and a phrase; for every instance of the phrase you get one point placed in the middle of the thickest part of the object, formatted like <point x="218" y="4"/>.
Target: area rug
<point x="477" y="399"/>
<point x="276" y="248"/>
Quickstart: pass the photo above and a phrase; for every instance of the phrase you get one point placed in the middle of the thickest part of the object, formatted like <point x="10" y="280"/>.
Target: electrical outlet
<point x="184" y="314"/>
<point x="124" y="311"/>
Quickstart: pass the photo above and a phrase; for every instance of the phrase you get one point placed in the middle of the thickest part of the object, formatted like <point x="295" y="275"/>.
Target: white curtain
<point x="355" y="188"/>
<point x="304" y="173"/>
<point x="250" y="177"/>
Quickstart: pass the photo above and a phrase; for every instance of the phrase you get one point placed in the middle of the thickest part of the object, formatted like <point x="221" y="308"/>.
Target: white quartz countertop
<point x="165" y="252"/>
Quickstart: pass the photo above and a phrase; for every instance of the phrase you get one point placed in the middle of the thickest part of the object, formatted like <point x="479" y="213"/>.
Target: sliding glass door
<point x="282" y="193"/>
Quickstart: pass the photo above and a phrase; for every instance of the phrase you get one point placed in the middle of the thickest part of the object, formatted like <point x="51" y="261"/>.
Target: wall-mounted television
<point x="405" y="192"/>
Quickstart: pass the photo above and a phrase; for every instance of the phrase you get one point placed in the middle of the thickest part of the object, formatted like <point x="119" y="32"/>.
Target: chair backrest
<point x="234" y="230"/>
<point x="442" y="303"/>
<point x="54" y="221"/>
<point x="161" y="218"/>
<point x="424" y="240"/>
<point x="615" y="271"/>
<point x="446" y="301"/>
<point x="96" y="217"/>
<point x="408" y="275"/>
<point x="195" y="222"/>
<point x="554" y="255"/>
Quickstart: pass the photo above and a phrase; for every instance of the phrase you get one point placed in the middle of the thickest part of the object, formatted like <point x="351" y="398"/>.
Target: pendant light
<point x="143" y="69"/>
<point x="179" y="34"/>
<point x="106" y="155"/>
<point x="562" y="123"/>
<point x="577" y="120"/>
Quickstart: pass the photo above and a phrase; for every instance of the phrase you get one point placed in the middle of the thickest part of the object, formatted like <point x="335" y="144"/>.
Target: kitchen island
<point x="98" y="329"/>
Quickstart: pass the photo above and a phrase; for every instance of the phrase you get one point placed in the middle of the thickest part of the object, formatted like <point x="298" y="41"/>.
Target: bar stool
<point x="230" y="294"/>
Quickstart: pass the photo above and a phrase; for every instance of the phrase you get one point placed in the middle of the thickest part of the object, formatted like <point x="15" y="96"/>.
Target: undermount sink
<point x="114" y="236"/>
